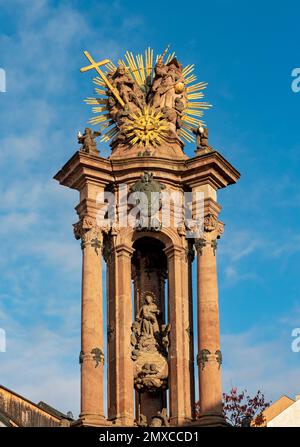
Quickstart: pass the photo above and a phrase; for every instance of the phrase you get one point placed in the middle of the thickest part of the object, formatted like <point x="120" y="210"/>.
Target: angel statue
<point x="87" y="140"/>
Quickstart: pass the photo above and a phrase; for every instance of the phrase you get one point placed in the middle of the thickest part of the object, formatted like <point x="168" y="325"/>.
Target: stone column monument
<point x="149" y="211"/>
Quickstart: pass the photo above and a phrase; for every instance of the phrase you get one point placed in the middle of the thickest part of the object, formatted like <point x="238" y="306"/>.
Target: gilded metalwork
<point x="144" y="100"/>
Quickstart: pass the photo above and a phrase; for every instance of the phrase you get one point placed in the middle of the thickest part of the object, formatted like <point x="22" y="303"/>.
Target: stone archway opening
<point x="150" y="328"/>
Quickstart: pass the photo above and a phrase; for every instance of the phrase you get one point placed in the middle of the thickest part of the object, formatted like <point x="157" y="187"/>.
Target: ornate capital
<point x="206" y="356"/>
<point x="89" y="232"/>
<point x="201" y="243"/>
<point x="212" y="230"/>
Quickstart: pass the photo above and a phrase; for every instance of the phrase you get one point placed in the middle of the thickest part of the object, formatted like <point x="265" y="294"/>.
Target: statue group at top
<point x="147" y="104"/>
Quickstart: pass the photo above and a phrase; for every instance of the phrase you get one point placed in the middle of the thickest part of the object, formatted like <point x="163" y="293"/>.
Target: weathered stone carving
<point x="148" y="379"/>
<point x="203" y="357"/>
<point x="213" y="229"/>
<point x="150" y="343"/>
<point x="128" y="89"/>
<point x="167" y="84"/>
<point x="219" y="357"/>
<point x="148" y="317"/>
<point x="90" y="234"/>
<point x="201" y="138"/>
<point x="146" y="334"/>
<point x="142" y="421"/>
<point x="210" y="222"/>
<point x="161" y="419"/>
<point x="148" y="200"/>
<point x="87" y="140"/>
<point x="98" y="356"/>
<point x="165" y="330"/>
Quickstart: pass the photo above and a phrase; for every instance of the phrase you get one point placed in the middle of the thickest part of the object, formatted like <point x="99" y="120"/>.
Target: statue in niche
<point x="146" y="334"/>
<point x="148" y="317"/>
<point x="87" y="140"/>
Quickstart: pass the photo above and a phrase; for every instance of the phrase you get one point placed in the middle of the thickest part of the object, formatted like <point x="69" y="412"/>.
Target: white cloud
<point x="261" y="359"/>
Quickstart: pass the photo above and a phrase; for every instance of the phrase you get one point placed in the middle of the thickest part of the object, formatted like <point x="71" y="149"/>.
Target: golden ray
<point x="194" y="96"/>
<point x="99" y="81"/>
<point x="194" y="112"/>
<point x="187" y="70"/>
<point x="170" y="57"/>
<point x="99" y="119"/>
<point x="196" y="105"/>
<point x="198" y="86"/>
<point x="190" y="119"/>
<point x="111" y="66"/>
<point x="133" y="67"/>
<point x="190" y="79"/>
<point x="100" y="92"/>
<point x="204" y="105"/>
<point x="141" y="68"/>
<point x="149" y="62"/>
<point x="110" y="134"/>
<point x="186" y="135"/>
<point x="106" y="124"/>
<point x="99" y="109"/>
<point x="95" y="101"/>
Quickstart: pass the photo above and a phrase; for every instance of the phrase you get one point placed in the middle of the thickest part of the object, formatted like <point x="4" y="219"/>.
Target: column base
<point x="211" y="420"/>
<point x="122" y="421"/>
<point x="91" y="420"/>
<point x="180" y="422"/>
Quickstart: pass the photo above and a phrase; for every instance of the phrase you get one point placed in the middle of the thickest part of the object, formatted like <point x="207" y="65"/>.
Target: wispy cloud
<point x="262" y="358"/>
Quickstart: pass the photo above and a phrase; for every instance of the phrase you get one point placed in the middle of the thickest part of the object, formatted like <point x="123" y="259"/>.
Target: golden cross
<point x="96" y="66"/>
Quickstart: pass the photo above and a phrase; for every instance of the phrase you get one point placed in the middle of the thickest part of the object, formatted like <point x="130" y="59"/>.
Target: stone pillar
<point x="179" y="380"/>
<point x="209" y="355"/>
<point x="121" y="393"/>
<point x="91" y="355"/>
<point x="190" y="258"/>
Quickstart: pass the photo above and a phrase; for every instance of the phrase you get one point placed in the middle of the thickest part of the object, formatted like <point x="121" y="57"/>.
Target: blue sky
<point x="246" y="51"/>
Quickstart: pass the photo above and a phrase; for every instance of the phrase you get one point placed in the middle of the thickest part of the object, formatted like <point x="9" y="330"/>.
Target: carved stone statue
<point x="147" y="316"/>
<point x="160" y="419"/>
<point x="144" y="111"/>
<point x="149" y="203"/>
<point x="142" y="421"/>
<point x="128" y="89"/>
<point x="201" y="137"/>
<point x="167" y="83"/>
<point x="87" y="140"/>
<point x="165" y="330"/>
<point x="149" y="379"/>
